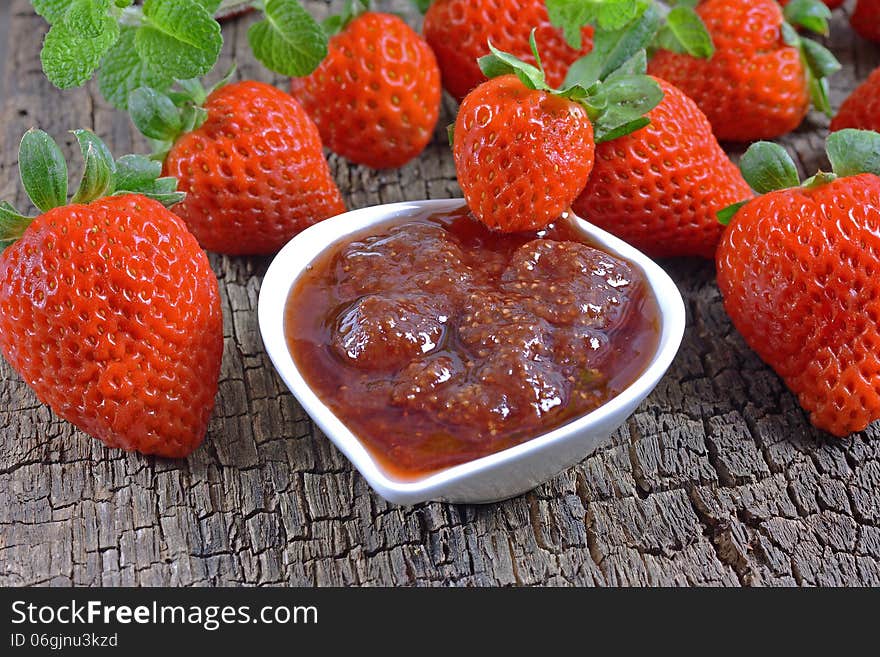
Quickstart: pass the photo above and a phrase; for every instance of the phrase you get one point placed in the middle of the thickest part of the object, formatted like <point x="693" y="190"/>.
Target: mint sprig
<point x="680" y="28"/>
<point x="165" y="40"/>
<point x="43" y="172"/>
<point x="289" y="41"/>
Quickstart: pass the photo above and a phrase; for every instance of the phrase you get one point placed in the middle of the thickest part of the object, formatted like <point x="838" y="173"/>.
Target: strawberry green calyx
<point x="853" y="152"/>
<point x="43" y="172"/>
<point x="422" y="5"/>
<point x="616" y="101"/>
<point x="163" y="117"/>
<point x="677" y="27"/>
<point x="351" y="9"/>
<point x="767" y="167"/>
<point x="820" y="64"/>
<point x="160" y="41"/>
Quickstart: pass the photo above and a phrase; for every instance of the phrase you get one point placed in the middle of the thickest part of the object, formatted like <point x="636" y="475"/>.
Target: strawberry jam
<point x="437" y="341"/>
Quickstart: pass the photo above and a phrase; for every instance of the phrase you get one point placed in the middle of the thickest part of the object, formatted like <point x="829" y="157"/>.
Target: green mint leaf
<point x="135" y="173"/>
<point x="685" y="32"/>
<point x="422" y="5"/>
<point x="122" y="71"/>
<point x="52" y="10"/>
<point x="499" y="62"/>
<point x="812" y="15"/>
<point x="43" y="170"/>
<point x="98" y="172"/>
<point x="623" y="101"/>
<point x="154" y="114"/>
<point x="179" y="38"/>
<point x="70" y="58"/>
<point x="87" y="17"/>
<point x="767" y="167"/>
<point x="853" y="152"/>
<point x="571" y="16"/>
<point x="725" y="215"/>
<point x="211" y="5"/>
<point x="289" y="41"/>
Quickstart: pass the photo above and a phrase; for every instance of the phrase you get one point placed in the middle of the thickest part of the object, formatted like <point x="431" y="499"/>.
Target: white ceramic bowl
<point x="490" y="478"/>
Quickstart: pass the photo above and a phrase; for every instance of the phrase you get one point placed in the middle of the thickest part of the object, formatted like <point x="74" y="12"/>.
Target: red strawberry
<point x="660" y="187"/>
<point x="522" y="155"/>
<point x="756" y="85"/>
<point x="523" y="152"/>
<point x="832" y="4"/>
<point x="866" y="19"/>
<point x="254" y="172"/>
<point x="459" y="30"/>
<point x="862" y="108"/>
<point x="109" y="309"/>
<point x="376" y="96"/>
<point x="798" y="271"/>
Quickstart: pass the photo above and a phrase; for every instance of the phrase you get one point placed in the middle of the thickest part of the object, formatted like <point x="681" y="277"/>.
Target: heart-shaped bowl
<point x="490" y="478"/>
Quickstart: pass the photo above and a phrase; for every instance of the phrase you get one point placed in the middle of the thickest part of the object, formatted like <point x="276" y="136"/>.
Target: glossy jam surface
<point x="436" y="341"/>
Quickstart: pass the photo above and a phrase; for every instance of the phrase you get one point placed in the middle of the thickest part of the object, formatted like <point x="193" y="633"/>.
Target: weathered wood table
<point x="717" y="479"/>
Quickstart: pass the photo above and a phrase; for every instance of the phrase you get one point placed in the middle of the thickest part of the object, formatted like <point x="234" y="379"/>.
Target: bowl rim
<point x="290" y="262"/>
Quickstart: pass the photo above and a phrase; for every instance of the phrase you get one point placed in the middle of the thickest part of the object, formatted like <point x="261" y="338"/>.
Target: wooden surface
<point x="717" y="479"/>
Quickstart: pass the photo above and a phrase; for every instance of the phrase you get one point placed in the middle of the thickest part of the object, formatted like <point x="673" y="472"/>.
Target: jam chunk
<point x="386" y="332"/>
<point x="571" y="283"/>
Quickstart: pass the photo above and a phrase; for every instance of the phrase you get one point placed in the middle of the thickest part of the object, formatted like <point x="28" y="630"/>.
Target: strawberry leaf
<point x="289" y="41"/>
<point x="852" y="152"/>
<point x="820" y="65"/>
<point x="43" y="170"/>
<point x="685" y="32"/>
<point x="624" y="129"/>
<point x="812" y="15"/>
<point x="12" y="224"/>
<point x="155" y="114"/>
<point x="499" y="63"/>
<point x="70" y="57"/>
<point x="767" y="167"/>
<point x="622" y="102"/>
<point x="422" y="5"/>
<point x="726" y="215"/>
<point x="98" y="172"/>
<point x="134" y="172"/>
<point x="179" y="38"/>
<point x="122" y="71"/>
